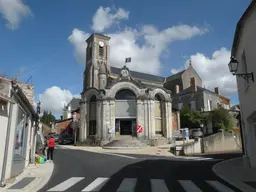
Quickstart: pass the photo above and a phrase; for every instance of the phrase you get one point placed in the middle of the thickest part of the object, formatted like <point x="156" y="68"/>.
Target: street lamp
<point x="233" y="67"/>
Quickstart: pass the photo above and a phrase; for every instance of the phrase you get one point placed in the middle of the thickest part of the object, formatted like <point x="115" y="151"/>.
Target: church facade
<point x="116" y="101"/>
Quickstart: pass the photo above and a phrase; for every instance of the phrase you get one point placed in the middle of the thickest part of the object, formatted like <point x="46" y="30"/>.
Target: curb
<point x="238" y="184"/>
<point x="43" y="181"/>
<point x="123" y="148"/>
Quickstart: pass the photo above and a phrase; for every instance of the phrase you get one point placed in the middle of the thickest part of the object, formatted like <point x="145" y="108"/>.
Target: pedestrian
<point x="51" y="144"/>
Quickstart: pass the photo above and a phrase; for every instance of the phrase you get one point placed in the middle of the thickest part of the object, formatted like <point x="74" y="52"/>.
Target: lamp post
<point x="233" y="67"/>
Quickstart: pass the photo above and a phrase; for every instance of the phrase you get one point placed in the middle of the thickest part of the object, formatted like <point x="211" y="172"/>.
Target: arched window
<point x="93" y="98"/>
<point x="125" y="95"/>
<point x="157" y="98"/>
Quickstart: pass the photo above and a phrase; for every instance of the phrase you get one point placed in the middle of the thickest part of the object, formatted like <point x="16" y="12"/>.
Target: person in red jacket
<point x="51" y="144"/>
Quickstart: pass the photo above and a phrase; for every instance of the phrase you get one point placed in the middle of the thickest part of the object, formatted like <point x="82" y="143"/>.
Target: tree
<point x="222" y="119"/>
<point x="47" y="118"/>
<point x="190" y="118"/>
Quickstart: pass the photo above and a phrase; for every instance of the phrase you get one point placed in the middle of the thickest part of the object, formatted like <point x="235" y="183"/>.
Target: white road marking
<point x="219" y="186"/>
<point x="66" y="184"/>
<point x="96" y="185"/>
<point x="127" y="185"/>
<point x="158" y="185"/>
<point x="189" y="186"/>
<point x="119" y="155"/>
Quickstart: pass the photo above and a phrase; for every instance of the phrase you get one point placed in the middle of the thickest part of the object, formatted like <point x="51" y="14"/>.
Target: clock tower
<point x="97" y="58"/>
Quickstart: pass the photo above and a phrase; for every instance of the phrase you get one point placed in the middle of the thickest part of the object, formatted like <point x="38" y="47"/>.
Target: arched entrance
<point x="158" y="115"/>
<point x="92" y="116"/>
<point x="125" y="112"/>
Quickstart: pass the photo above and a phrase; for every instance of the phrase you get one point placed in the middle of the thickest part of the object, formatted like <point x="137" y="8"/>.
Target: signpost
<point x="139" y="129"/>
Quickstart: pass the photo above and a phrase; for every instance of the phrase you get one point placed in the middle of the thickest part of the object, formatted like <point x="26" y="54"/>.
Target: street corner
<point x="34" y="177"/>
<point x="228" y="169"/>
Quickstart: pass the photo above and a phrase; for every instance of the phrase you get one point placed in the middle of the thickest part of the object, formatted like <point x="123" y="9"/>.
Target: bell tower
<point x="97" y="56"/>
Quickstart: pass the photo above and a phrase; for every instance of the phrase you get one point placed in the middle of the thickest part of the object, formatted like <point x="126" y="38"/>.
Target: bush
<point x="222" y="119"/>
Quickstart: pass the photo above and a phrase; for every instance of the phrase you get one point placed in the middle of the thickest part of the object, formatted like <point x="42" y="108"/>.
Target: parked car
<point x="65" y="139"/>
<point x="56" y="137"/>
<point x="197" y="132"/>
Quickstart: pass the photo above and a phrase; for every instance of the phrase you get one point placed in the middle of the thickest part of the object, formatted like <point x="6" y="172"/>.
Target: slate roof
<point x="175" y="76"/>
<point x="185" y="91"/>
<point x="140" y="76"/>
<point x="74" y="103"/>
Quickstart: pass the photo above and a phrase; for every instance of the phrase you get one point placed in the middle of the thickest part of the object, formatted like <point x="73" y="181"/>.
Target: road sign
<point x="139" y="129"/>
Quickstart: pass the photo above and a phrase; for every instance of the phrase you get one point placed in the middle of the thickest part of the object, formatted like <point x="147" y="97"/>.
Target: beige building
<point x="117" y="100"/>
<point x="17" y="138"/>
<point x="243" y="65"/>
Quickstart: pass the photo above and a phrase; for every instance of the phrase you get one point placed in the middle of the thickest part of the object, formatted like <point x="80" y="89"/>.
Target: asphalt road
<point x="77" y="170"/>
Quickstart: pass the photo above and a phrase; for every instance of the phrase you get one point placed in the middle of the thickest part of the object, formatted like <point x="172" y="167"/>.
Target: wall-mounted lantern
<point x="233" y="67"/>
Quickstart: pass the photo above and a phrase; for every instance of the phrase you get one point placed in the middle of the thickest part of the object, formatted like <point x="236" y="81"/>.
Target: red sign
<point x="139" y="129"/>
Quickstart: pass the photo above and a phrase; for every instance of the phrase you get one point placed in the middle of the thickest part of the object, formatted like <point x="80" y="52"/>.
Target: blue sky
<point x="40" y="40"/>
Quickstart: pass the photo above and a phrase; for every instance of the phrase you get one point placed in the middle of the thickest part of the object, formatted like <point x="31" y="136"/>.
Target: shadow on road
<point x="168" y="170"/>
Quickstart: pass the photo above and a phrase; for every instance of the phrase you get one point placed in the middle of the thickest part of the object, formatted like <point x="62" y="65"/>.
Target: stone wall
<point x="28" y="90"/>
<point x="222" y="141"/>
<point x="219" y="142"/>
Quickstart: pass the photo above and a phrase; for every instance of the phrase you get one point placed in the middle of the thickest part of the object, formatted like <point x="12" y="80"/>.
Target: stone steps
<point x="125" y="143"/>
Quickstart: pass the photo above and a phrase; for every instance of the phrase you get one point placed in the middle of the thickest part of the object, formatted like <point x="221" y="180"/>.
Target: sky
<point x="43" y="42"/>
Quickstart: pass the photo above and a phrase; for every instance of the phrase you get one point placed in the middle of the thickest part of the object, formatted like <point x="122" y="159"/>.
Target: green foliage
<point x="222" y="119"/>
<point x="47" y="118"/>
<point x="190" y="118"/>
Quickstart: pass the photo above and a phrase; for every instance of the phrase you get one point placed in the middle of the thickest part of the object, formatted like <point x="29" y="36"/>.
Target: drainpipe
<point x="2" y="184"/>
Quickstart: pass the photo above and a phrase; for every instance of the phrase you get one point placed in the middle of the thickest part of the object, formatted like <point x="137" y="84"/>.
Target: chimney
<point x="217" y="90"/>
<point x="193" y="83"/>
<point x="177" y="89"/>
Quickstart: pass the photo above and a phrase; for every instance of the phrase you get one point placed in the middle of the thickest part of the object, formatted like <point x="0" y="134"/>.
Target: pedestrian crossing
<point x="128" y="185"/>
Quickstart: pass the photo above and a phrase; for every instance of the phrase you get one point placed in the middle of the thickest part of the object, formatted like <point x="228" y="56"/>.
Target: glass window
<point x="20" y="133"/>
<point x="101" y="51"/>
<point x="125" y="95"/>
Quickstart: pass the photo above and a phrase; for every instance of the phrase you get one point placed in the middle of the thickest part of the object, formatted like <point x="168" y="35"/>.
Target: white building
<point x="243" y="65"/>
<point x="17" y="137"/>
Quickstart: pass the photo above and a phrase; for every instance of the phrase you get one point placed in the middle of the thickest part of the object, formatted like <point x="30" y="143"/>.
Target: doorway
<point x="125" y="127"/>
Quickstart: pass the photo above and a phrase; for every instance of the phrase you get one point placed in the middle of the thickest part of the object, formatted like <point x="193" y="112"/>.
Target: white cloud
<point x="214" y="71"/>
<point x="145" y="45"/>
<point x="77" y="39"/>
<point x="54" y="98"/>
<point x="103" y="18"/>
<point x="13" y="11"/>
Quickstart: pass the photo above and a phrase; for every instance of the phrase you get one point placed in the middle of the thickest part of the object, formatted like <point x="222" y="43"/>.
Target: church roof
<point x="140" y="76"/>
<point x="175" y="76"/>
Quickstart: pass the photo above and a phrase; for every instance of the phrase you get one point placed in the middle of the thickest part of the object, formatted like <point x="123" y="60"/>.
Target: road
<point x="77" y="170"/>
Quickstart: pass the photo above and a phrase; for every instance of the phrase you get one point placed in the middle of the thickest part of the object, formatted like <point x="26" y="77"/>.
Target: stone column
<point x="105" y="119"/>
<point x="151" y="120"/>
<point x="83" y="121"/>
<point x="112" y="115"/>
<point x="168" y="119"/>
<point x="146" y="128"/>
<point x="140" y="119"/>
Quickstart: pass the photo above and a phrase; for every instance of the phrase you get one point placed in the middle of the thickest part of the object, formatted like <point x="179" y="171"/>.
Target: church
<point x="121" y="103"/>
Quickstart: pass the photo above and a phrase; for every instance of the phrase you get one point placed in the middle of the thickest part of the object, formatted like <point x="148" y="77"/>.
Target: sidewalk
<point x="235" y="172"/>
<point x="158" y="151"/>
<point x="34" y="177"/>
